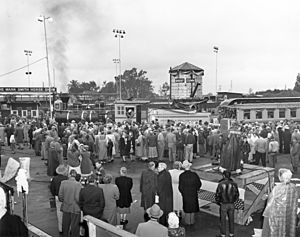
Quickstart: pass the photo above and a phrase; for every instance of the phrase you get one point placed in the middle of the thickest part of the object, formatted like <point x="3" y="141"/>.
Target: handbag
<point x="156" y="199"/>
<point x="52" y="202"/>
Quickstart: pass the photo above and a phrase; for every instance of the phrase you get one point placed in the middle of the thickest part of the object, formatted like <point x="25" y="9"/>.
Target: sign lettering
<point x="190" y="80"/>
<point x="27" y="89"/>
<point x="179" y="80"/>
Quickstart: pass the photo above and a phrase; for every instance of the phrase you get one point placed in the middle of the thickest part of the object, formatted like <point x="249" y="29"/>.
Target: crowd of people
<point x="76" y="153"/>
<point x="150" y="141"/>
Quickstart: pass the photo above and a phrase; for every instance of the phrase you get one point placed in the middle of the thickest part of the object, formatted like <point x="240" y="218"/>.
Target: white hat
<point x="173" y="220"/>
<point x="186" y="164"/>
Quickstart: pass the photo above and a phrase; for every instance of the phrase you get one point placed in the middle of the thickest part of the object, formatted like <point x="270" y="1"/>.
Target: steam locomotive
<point x="90" y="113"/>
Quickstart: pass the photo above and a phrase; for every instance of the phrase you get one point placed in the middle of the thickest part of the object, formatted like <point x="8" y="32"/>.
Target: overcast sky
<point x="259" y="41"/>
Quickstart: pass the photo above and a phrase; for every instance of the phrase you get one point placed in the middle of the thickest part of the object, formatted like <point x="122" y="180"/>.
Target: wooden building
<point x="25" y="102"/>
<point x="186" y="81"/>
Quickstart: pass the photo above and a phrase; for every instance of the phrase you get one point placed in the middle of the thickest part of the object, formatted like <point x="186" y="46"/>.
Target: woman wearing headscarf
<point x="280" y="214"/>
<point x="55" y="157"/>
<point x="111" y="194"/>
<point x="174" y="230"/>
<point x="124" y="184"/>
<point x="177" y="197"/>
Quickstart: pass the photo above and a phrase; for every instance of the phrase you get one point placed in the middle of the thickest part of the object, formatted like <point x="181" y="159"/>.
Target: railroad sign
<point x="179" y="80"/>
<point x="27" y="89"/>
<point x="190" y="80"/>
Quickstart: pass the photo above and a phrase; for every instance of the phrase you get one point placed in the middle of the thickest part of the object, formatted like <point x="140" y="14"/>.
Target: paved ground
<point x="42" y="216"/>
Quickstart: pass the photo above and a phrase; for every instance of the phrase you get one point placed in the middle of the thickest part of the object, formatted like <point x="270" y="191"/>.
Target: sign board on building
<point x="27" y="89"/>
<point x="190" y="80"/>
<point x="179" y="80"/>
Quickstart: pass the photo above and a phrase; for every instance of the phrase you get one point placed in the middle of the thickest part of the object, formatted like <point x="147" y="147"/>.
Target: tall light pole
<point x="216" y="50"/>
<point x="116" y="61"/>
<point x="43" y="19"/>
<point x="119" y="34"/>
<point x="28" y="73"/>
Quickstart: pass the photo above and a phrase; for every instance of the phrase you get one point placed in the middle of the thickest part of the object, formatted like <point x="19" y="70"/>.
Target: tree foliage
<point x="164" y="90"/>
<point x="108" y="87"/>
<point x="297" y="83"/>
<point x="76" y="87"/>
<point x="135" y="84"/>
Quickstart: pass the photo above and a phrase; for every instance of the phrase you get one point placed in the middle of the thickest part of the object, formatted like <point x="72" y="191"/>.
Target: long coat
<point x="19" y="134"/>
<point x="287" y="136"/>
<point x="86" y="165"/>
<point x="280" y="214"/>
<point x="165" y="193"/>
<point x="101" y="146"/>
<point x="148" y="188"/>
<point x="139" y="147"/>
<point x="111" y="194"/>
<point x="54" y="158"/>
<point x="189" y="185"/>
<point x="91" y="201"/>
<point x="124" y="146"/>
<point x="177" y="197"/>
<point x="125" y="185"/>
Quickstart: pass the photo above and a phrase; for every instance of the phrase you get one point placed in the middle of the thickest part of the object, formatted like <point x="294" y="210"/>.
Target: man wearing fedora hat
<point x="62" y="174"/>
<point x="152" y="227"/>
<point x="189" y="185"/>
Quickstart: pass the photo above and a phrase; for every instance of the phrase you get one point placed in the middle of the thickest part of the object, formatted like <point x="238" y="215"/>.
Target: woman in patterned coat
<point x="280" y="214"/>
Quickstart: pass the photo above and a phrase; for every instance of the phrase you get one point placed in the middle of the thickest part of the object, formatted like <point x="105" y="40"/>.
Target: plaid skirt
<point x="152" y="153"/>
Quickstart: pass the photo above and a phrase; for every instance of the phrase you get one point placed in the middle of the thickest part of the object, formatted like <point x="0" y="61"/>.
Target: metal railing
<point x="103" y="229"/>
<point x="36" y="232"/>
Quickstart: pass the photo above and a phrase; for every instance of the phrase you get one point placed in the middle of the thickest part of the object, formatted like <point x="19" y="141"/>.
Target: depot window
<point x="282" y="113"/>
<point x="293" y="113"/>
<point x="247" y="114"/>
<point x="270" y="113"/>
<point x="34" y="113"/>
<point x="120" y="110"/>
<point x="24" y="113"/>
<point x="258" y="114"/>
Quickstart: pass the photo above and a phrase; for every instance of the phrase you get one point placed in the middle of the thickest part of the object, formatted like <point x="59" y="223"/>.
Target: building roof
<point x="186" y="67"/>
<point x="256" y="100"/>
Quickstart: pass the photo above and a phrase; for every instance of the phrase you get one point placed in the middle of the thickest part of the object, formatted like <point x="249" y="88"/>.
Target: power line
<point x="4" y="74"/>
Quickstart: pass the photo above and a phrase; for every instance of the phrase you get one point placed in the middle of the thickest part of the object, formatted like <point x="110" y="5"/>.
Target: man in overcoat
<point x="165" y="192"/>
<point x="148" y="186"/>
<point x="189" y="185"/>
<point x="69" y="196"/>
<point x="91" y="201"/>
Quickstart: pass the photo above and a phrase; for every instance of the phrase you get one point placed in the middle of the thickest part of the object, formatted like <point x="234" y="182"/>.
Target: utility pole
<point x="120" y="35"/>
<point x="28" y="73"/>
<point x="216" y="50"/>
